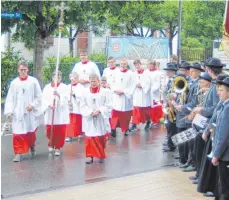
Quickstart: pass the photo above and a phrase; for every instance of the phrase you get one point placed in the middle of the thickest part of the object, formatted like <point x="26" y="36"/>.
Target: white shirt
<point x="110" y="74"/>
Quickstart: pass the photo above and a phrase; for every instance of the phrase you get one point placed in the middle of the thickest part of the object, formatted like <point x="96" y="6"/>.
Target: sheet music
<point x="200" y="121"/>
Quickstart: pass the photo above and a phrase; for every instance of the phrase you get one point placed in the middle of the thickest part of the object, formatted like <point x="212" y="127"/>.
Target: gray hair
<point x="93" y="75"/>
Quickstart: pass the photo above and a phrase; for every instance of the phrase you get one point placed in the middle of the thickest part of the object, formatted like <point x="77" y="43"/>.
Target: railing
<point x="192" y="55"/>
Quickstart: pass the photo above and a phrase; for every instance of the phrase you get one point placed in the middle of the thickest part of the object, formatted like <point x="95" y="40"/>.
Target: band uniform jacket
<point x="221" y="139"/>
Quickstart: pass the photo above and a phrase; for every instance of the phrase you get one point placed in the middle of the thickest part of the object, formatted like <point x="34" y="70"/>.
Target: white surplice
<point x="21" y="94"/>
<point x="77" y="92"/>
<point x="141" y="96"/>
<point x="85" y="70"/>
<point x="96" y="126"/>
<point x="61" y="114"/>
<point x="110" y="74"/>
<point x="123" y="81"/>
<point x="154" y="85"/>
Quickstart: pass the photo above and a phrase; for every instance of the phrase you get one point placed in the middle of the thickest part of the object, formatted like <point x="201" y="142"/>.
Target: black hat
<point x="215" y="63"/>
<point x="224" y="82"/>
<point x="206" y="77"/>
<point x="197" y="65"/>
<point x="171" y="67"/>
<point x="185" y="65"/>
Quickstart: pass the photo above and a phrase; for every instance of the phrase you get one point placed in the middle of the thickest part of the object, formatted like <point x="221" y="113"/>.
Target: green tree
<point x="202" y="22"/>
<point x="39" y="20"/>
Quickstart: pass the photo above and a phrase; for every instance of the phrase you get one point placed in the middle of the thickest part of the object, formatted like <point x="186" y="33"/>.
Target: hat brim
<point x="202" y="70"/>
<point x="206" y="79"/>
<point x="169" y="69"/>
<point x="222" y="83"/>
<point x="215" y="66"/>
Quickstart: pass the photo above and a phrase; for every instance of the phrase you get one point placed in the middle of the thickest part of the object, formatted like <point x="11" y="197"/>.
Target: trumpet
<point x="180" y="86"/>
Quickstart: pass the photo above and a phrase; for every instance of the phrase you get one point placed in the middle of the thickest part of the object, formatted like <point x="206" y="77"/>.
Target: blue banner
<point x="138" y="47"/>
<point x="11" y="15"/>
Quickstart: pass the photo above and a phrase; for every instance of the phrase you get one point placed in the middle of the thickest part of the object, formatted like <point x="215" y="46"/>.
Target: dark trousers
<point x="183" y="148"/>
<point x="223" y="170"/>
<point x="171" y="131"/>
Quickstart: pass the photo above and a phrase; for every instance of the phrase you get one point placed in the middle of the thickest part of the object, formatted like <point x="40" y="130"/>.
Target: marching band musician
<point x="95" y="106"/>
<point x="206" y="181"/>
<point x="171" y="123"/>
<point x="84" y="68"/>
<point x="156" y="108"/>
<point x="23" y="106"/>
<point x="204" y="85"/>
<point x="191" y="102"/>
<point x="122" y="88"/>
<point x="181" y="125"/>
<point x="141" y="97"/>
<point x="74" y="129"/>
<point x="221" y="139"/>
<point x="109" y="72"/>
<point x="56" y="116"/>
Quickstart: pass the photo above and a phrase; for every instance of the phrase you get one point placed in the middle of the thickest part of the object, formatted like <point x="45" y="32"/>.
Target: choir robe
<point x="96" y="128"/>
<point x="85" y="70"/>
<point x="155" y="81"/>
<point x="122" y="104"/>
<point x="61" y="114"/>
<point x="74" y="129"/>
<point x="141" y="98"/>
<point x="109" y="73"/>
<point x="22" y="93"/>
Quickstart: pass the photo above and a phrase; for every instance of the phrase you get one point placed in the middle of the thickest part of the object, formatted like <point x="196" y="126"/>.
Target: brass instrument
<point x="180" y="86"/>
<point x="169" y="111"/>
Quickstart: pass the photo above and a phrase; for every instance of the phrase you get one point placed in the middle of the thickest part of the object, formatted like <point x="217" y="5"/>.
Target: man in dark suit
<point x="221" y="139"/>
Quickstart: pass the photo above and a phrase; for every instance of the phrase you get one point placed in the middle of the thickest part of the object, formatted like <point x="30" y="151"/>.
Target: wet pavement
<point x="134" y="154"/>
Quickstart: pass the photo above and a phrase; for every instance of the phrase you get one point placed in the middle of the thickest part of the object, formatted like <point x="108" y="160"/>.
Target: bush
<point x="66" y="65"/>
<point x="10" y="58"/>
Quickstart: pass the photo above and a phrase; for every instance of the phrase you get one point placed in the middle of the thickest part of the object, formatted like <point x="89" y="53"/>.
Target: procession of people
<point x="193" y="99"/>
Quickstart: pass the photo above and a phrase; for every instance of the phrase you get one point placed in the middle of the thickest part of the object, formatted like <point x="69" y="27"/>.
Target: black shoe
<point x="133" y="128"/>
<point x="184" y="166"/>
<point x="209" y="194"/>
<point x="195" y="182"/>
<point x="101" y="160"/>
<point x="147" y="125"/>
<point x="90" y="161"/>
<point x="168" y="149"/>
<point x="113" y="133"/>
<point x="125" y="134"/>
<point x="192" y="178"/>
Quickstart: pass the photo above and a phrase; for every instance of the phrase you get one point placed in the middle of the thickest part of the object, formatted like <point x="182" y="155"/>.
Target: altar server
<point x="23" y="106"/>
<point x="56" y="136"/>
<point x="96" y="108"/>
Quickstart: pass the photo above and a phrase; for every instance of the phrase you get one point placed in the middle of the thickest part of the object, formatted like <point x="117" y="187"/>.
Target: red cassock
<point x="141" y="114"/>
<point x="94" y="146"/>
<point x="121" y="119"/>
<point x="23" y="142"/>
<point x="74" y="129"/>
<point x="58" y="136"/>
<point x="156" y="113"/>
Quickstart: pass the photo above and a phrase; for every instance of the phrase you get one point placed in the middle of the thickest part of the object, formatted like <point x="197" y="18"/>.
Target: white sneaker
<point x="17" y="158"/>
<point x="57" y="152"/>
<point x="51" y="149"/>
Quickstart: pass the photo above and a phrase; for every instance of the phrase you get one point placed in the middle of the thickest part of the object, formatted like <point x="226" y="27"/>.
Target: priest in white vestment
<point x="155" y="81"/>
<point x="95" y="107"/>
<point x="109" y="72"/>
<point x="84" y="68"/>
<point x="56" y="127"/>
<point x="122" y="101"/>
<point x="75" y="90"/>
<point x="23" y="106"/>
<point x="141" y="97"/>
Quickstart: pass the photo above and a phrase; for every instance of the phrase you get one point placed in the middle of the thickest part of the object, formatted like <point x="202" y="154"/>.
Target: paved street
<point x="166" y="184"/>
<point x="137" y="153"/>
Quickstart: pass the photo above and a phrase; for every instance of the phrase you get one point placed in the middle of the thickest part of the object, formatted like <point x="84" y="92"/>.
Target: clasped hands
<point x="119" y="92"/>
<point x="82" y="81"/>
<point x="95" y="113"/>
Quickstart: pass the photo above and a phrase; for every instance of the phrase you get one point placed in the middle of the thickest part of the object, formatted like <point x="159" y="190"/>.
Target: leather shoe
<point x="209" y="194"/>
<point x="192" y="178"/>
<point x="189" y="169"/>
<point x="167" y="149"/>
<point x="184" y="166"/>
<point x="195" y="182"/>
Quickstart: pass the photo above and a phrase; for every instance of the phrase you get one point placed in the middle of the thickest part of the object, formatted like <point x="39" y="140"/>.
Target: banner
<point x="138" y="48"/>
